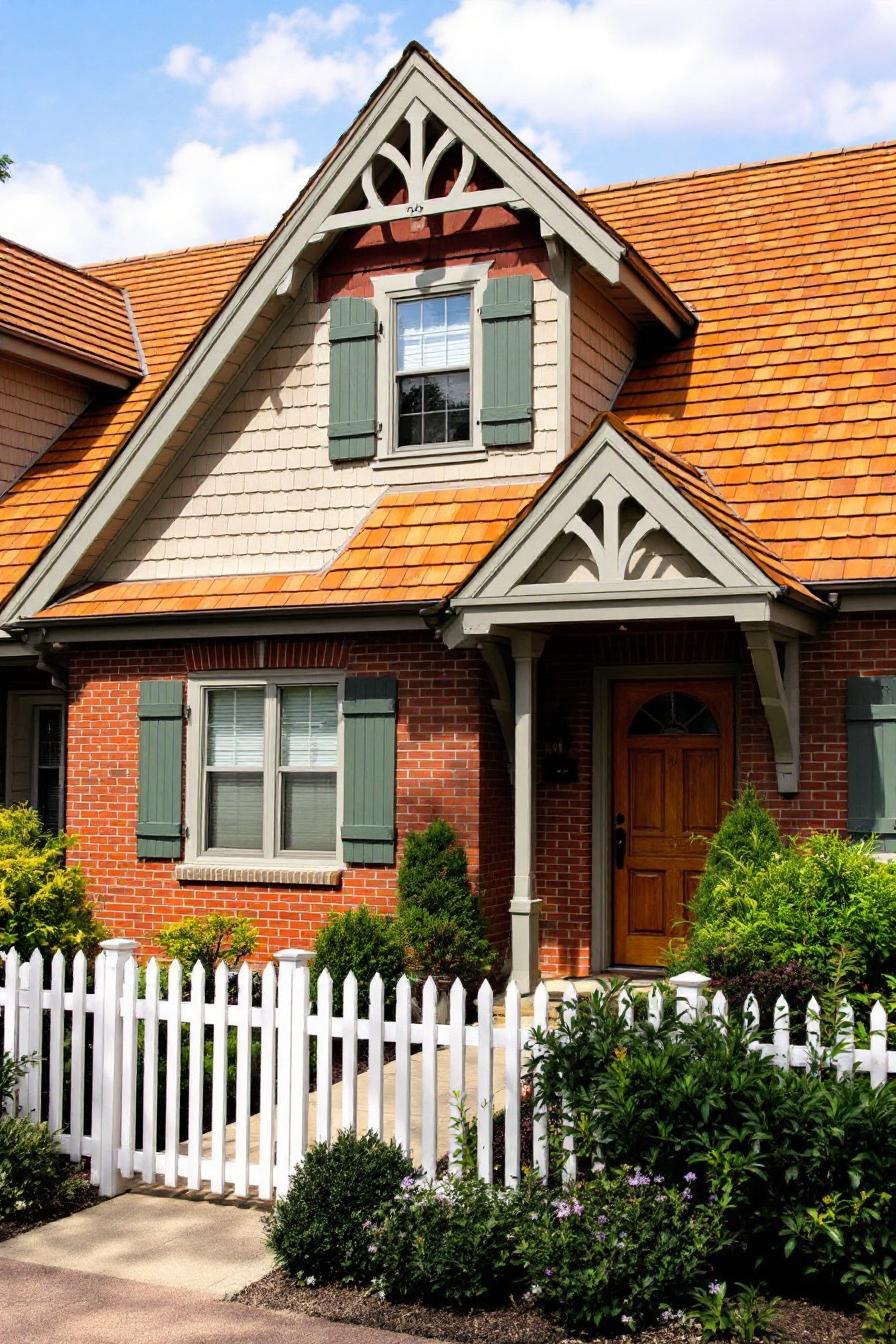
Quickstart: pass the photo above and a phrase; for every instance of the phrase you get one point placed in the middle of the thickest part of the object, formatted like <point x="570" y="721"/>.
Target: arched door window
<point x="673" y="712"/>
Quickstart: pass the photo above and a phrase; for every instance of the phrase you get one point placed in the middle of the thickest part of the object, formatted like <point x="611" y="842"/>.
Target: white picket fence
<point x="71" y="1031"/>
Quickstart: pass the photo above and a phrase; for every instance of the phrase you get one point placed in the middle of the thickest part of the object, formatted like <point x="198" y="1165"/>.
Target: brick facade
<point x="452" y="763"/>
<point x="447" y="761"/>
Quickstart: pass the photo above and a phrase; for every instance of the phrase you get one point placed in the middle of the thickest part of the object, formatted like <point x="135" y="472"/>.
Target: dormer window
<point x="432" y="357"/>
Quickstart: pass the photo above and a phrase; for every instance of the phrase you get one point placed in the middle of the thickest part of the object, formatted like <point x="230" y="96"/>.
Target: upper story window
<point x="267" y="769"/>
<point x="433" y="355"/>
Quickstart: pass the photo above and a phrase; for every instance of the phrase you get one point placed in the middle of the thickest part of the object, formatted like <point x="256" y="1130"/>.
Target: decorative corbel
<point x="495" y="654"/>
<point x="777" y="674"/>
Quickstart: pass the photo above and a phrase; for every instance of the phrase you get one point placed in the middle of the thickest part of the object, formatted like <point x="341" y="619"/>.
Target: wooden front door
<point x="673" y="770"/>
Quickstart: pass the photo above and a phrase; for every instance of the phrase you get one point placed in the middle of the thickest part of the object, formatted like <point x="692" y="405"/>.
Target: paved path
<point x="40" y="1305"/>
<point x="171" y="1240"/>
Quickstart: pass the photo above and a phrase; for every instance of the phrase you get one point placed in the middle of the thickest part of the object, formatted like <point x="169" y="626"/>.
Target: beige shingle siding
<point x="603" y="344"/>
<point x="260" y="494"/>
<point x="35" y="407"/>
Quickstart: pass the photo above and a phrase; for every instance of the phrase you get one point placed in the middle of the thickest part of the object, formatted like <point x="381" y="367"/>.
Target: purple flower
<point x="714" y="1288"/>
<point x="602" y="1219"/>
<point x="408" y="1183"/>
<point x="690" y="1177"/>
<point x="639" y="1178"/>
<point x="687" y="1196"/>
<point x="549" y="1273"/>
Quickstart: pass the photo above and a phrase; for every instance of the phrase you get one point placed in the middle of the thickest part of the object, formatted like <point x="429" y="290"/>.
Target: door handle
<point x="619" y="841"/>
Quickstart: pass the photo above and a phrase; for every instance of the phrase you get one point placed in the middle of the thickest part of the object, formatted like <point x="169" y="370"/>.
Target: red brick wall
<point x="439" y="774"/>
<point x="451" y="763"/>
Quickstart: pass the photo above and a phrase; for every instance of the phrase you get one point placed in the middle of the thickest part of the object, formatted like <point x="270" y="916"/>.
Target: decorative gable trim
<point x="416" y="86"/>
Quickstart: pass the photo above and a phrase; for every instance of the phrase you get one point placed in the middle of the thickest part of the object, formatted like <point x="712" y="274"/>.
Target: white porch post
<point x="525" y="907"/>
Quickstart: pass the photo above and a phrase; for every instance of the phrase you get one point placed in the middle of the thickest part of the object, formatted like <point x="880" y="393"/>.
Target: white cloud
<point x="295" y="58"/>
<point x="188" y="63"/>
<point x="610" y="67"/>
<point x="203" y="195"/>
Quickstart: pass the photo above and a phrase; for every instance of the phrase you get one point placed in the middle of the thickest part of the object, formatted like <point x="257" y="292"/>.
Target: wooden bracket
<point x="777" y="673"/>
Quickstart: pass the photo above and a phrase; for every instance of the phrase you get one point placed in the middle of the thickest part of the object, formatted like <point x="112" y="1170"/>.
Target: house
<point x="464" y="495"/>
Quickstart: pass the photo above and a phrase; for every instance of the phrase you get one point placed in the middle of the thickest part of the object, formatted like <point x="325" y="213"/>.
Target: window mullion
<point x="271" y="771"/>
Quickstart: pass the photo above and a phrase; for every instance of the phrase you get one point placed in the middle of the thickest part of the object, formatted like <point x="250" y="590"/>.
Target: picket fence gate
<point x="95" y="1052"/>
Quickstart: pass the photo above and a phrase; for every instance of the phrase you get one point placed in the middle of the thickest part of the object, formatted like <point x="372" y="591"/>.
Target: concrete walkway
<point x="170" y="1240"/>
<point x="39" y="1305"/>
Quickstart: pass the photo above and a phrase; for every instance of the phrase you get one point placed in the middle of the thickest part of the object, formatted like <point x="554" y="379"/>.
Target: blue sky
<point x="144" y="126"/>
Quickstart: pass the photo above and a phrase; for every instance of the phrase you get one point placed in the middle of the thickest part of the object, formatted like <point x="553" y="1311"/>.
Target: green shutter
<point x="159" y="805"/>
<point x="506" y="313"/>
<point x="352" y="380"/>
<point x="871" y="735"/>
<point x="368" y="826"/>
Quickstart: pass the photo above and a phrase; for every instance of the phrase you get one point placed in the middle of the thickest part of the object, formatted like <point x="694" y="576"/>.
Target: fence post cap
<point x="294" y="956"/>
<point x="119" y="944"/>
<point x="690" y="980"/>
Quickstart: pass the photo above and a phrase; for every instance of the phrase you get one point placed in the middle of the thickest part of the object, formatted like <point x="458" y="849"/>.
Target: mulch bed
<point x="84" y="1197"/>
<point x="797" y="1322"/>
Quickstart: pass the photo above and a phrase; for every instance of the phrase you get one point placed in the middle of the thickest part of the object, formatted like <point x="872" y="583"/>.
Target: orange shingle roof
<point x="786" y="392"/>
<point x="413" y="547"/>
<point x="173" y="296"/>
<point x="45" y="301"/>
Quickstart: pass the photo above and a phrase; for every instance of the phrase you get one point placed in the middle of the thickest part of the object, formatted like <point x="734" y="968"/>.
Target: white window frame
<point x="388" y="292"/>
<point x="20" y="704"/>
<point x="270" y="857"/>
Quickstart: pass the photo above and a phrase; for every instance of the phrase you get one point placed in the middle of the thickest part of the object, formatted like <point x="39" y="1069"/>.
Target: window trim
<point x="390" y="290"/>
<point x="269" y="857"/>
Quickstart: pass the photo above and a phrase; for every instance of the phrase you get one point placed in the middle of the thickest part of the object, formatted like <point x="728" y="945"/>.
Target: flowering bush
<point x="451" y="1243"/>
<point x="321" y="1231"/>
<point x="623" y="1250"/>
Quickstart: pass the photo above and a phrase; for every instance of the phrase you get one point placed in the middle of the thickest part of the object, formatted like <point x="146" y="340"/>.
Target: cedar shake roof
<point x="173" y="296"/>
<point x="784" y="397"/>
<point x="785" y="394"/>
<point x="413" y="547"/>
<point x="45" y="302"/>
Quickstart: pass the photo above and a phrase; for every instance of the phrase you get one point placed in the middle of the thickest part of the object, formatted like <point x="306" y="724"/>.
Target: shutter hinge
<point x="185" y="832"/>
<point x="187" y="713"/>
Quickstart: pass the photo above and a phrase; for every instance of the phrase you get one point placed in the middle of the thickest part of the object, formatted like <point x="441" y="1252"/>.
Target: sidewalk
<point x="66" y="1306"/>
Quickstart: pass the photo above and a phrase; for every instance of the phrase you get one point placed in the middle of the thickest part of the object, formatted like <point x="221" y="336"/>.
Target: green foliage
<point x="36" y="1179"/>
<point x="822" y="905"/>
<point x="321" y="1230"/>
<point x="744" y="1317"/>
<point x="450" y="1244"/>
<point x="879" y="1312"/>
<point x="43" y="901"/>
<point x="5" y="165"/>
<point x="362" y="941"/>
<point x="209" y="939"/>
<point x="793" y="1160"/>
<point x="438" y="911"/>
<point x="618" y="1252"/>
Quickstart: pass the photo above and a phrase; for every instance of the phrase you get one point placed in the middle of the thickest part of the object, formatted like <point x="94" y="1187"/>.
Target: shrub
<point x="793" y="1160"/>
<point x="43" y="901"/>
<point x="823" y="903"/>
<point x="879" y="1312"/>
<point x="36" y="1178"/>
<point x="209" y="939"/>
<point x="438" y="911"/>
<point x="321" y="1230"/>
<point x="449" y="1244"/>
<point x="618" y="1251"/>
<point x="362" y="941"/>
<point x="743" y="1316"/>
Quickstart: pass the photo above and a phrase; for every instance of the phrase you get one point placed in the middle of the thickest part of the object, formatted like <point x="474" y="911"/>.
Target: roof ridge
<point x="63" y="265"/>
<point x="745" y="166"/>
<point x="93" y="266"/>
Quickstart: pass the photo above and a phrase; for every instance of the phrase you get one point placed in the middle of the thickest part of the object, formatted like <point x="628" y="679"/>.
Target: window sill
<point x="436" y="457"/>
<point x="267" y="874"/>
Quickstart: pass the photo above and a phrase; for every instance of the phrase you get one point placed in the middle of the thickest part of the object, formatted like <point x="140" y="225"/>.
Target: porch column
<point x="525" y="907"/>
